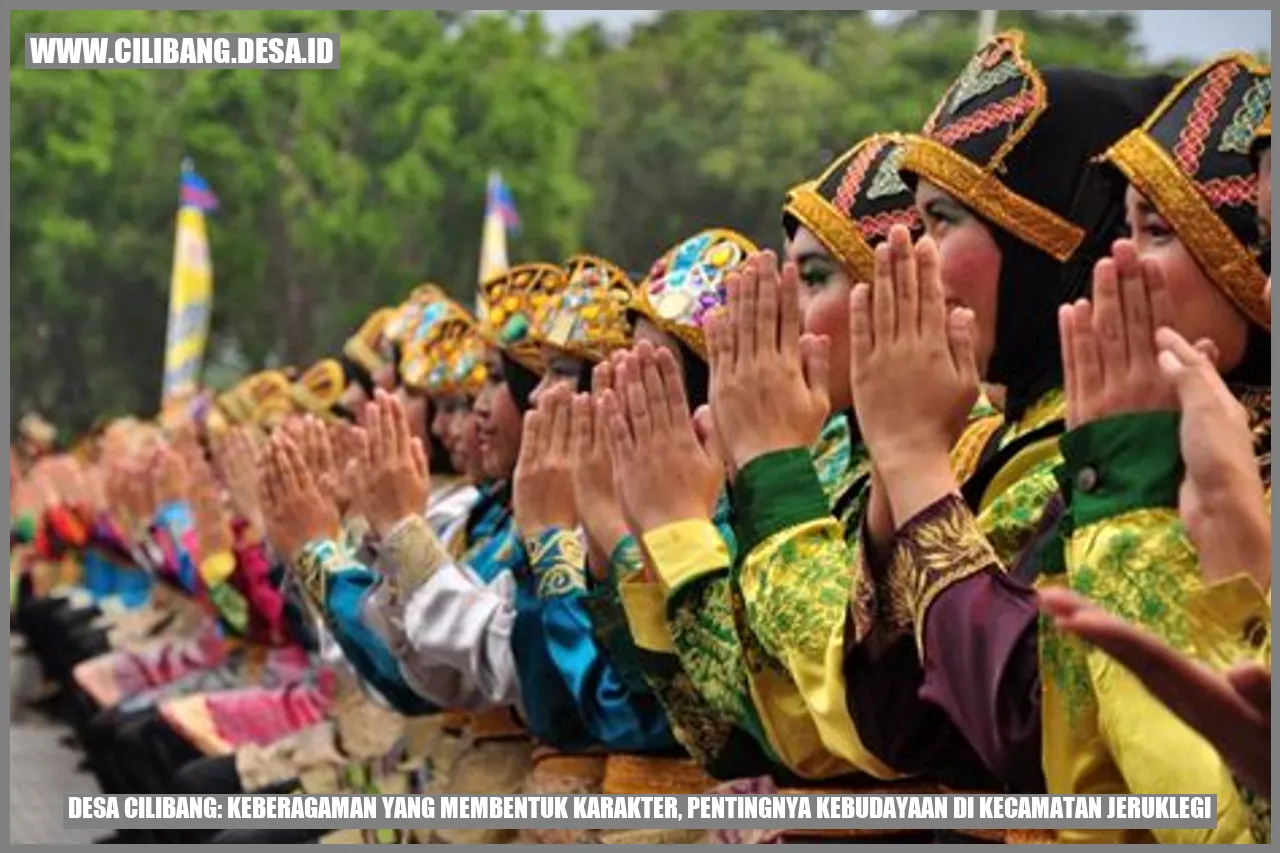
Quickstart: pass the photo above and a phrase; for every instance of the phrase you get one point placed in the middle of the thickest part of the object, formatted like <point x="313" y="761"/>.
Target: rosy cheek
<point x="826" y="313"/>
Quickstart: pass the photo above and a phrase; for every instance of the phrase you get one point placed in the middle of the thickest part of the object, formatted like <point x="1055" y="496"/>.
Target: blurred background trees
<point x="341" y="190"/>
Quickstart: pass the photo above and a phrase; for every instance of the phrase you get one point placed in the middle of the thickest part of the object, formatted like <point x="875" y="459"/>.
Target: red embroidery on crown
<point x="1208" y="103"/>
<point x="847" y="193"/>
<point x="1233" y="191"/>
<point x="878" y="224"/>
<point x="988" y="118"/>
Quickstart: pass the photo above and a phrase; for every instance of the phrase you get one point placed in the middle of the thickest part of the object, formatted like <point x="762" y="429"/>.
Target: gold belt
<point x="454" y="722"/>
<point x="549" y="763"/>
<point x="654" y="775"/>
<point x="497" y="724"/>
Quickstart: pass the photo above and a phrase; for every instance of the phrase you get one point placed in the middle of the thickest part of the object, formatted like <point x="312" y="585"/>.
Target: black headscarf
<point x="357" y="374"/>
<point x="1053" y="165"/>
<point x="521" y="381"/>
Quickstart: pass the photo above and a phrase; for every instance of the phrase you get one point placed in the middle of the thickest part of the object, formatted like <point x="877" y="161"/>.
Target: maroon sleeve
<point x="883" y="681"/>
<point x="981" y="669"/>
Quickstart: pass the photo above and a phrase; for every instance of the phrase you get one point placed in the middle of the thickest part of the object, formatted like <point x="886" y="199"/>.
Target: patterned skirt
<point x="109" y="678"/>
<point x="219" y="723"/>
<point x="357" y="729"/>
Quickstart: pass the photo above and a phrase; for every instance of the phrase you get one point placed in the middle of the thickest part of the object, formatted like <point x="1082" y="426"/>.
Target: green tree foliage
<point x="342" y="190"/>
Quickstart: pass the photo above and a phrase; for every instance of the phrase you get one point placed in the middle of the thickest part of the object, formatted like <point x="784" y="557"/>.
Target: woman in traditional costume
<point x="684" y="632"/>
<point x="953" y="547"/>
<point x="369" y="747"/>
<point x="1192" y="272"/>
<point x="831" y="224"/>
<point x="365" y="356"/>
<point x="493" y="753"/>
<point x="561" y="502"/>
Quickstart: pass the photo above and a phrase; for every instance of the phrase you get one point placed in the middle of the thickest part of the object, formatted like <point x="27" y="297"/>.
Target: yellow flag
<point x="190" y="293"/>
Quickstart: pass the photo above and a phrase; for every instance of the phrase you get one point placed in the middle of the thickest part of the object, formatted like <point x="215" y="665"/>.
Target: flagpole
<point x="986" y="25"/>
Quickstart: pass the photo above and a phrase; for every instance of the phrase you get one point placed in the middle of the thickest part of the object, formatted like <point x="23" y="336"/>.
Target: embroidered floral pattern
<point x="414" y="552"/>
<point x="1011" y="518"/>
<point x="558" y="562"/>
<point x="695" y="725"/>
<point x="805" y="592"/>
<point x="945" y="545"/>
<point x="1139" y="566"/>
<point x="1065" y="666"/>
<point x="702" y="629"/>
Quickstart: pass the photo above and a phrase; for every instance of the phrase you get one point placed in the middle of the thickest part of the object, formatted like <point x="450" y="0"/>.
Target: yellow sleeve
<point x="703" y="733"/>
<point x="692" y="559"/>
<point x="802" y="578"/>
<point x="1156" y="753"/>
<point x="645" y="604"/>
<point x="1103" y="732"/>
<point x="1230" y="622"/>
<point x="1129" y="552"/>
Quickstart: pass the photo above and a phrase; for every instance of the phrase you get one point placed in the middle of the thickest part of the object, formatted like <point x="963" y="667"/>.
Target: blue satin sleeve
<point x="549" y="709"/>
<point x="615" y="715"/>
<point x="347" y="583"/>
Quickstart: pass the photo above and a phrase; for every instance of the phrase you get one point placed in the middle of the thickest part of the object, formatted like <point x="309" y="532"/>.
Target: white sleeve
<point x="459" y="625"/>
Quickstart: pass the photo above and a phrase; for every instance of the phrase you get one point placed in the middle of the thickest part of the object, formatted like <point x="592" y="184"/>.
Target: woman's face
<point x="464" y="445"/>
<point x="444" y="411"/>
<point x="969" y="260"/>
<point x="385" y="378"/>
<point x="416" y="411"/>
<point x="1201" y="309"/>
<point x="561" y="369"/>
<point x="498" y="422"/>
<point x="824" y="301"/>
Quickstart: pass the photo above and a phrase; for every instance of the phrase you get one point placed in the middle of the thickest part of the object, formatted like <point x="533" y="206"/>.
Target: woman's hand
<point x="1108" y="346"/>
<point x="543" y="493"/>
<point x="296" y="511"/>
<point x="768" y="382"/>
<point x="1221" y="500"/>
<point x="1232" y="711"/>
<point x="594" y="494"/>
<point x="915" y="378"/>
<point x="397" y="481"/>
<point x="665" y="473"/>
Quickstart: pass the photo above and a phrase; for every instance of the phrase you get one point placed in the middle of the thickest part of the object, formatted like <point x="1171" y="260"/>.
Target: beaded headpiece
<point x="267" y="393"/>
<point x="511" y="307"/>
<point x="687" y="283"/>
<point x="853" y="204"/>
<point x="37" y="430"/>
<point x="426" y="366"/>
<point x="588" y="319"/>
<point x="405" y="317"/>
<point x="1191" y="160"/>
